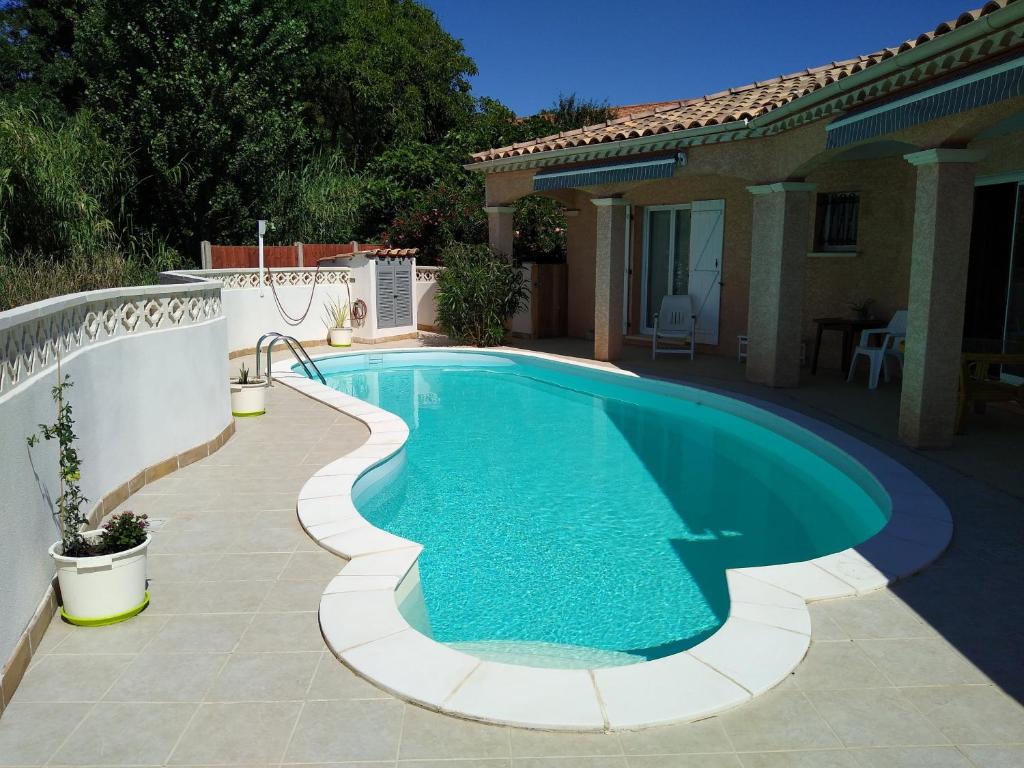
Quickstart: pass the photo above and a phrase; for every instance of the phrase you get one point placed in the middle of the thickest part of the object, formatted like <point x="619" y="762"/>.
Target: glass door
<point x="1013" y="328"/>
<point x="666" y="257"/>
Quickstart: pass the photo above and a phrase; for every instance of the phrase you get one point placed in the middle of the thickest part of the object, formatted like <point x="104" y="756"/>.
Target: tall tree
<point x="379" y="72"/>
<point x="36" y="38"/>
<point x="205" y="96"/>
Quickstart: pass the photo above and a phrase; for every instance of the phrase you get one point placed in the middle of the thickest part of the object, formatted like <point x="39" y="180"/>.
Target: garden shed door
<point x="394" y="294"/>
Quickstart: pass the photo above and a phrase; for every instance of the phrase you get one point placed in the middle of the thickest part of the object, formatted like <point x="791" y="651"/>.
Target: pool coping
<point x="765" y="636"/>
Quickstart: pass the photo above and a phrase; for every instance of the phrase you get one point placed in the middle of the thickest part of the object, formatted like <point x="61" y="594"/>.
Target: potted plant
<point x="248" y="394"/>
<point x="101" y="573"/>
<point x="339" y="330"/>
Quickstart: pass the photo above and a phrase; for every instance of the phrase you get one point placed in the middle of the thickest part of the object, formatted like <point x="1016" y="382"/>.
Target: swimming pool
<point x="575" y="517"/>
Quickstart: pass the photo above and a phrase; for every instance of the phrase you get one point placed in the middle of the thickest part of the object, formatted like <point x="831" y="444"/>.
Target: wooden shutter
<point x="386" y="296"/>
<point x="403" y="294"/>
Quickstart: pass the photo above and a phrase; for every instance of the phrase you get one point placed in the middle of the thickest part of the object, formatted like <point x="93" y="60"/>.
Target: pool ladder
<point x="300" y="354"/>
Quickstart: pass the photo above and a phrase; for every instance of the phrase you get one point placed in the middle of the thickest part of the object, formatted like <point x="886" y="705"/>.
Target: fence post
<point x="299" y="254"/>
<point x="206" y="255"/>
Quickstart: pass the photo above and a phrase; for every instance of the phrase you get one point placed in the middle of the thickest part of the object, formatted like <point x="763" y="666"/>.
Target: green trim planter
<point x="248" y="399"/>
<point x="339" y="337"/>
<point x="104" y="589"/>
<point x="103" y="621"/>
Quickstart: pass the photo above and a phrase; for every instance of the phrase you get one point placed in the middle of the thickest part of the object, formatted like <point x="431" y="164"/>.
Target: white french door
<point x="683" y="255"/>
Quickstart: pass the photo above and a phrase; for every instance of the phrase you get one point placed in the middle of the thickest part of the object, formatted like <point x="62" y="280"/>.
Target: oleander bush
<point x="478" y="292"/>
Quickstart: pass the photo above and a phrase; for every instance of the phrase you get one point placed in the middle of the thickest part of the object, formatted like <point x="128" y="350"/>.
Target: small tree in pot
<point x="478" y="292"/>
<point x="248" y="394"/>
<point x="102" y="574"/>
<point x="339" y="330"/>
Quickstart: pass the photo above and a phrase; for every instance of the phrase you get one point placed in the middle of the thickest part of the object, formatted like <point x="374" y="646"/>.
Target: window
<point x="836" y="226"/>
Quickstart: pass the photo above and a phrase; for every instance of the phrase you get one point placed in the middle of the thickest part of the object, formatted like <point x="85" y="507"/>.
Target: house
<point x="894" y="176"/>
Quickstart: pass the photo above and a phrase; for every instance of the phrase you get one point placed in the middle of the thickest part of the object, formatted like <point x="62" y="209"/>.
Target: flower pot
<point x="339" y="337"/>
<point x="248" y="399"/>
<point x="102" y="590"/>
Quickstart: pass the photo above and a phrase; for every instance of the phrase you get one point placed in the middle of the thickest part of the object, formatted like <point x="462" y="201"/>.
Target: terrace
<point x="228" y="665"/>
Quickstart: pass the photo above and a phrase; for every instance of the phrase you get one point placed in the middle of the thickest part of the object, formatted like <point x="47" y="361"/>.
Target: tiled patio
<point x="227" y="666"/>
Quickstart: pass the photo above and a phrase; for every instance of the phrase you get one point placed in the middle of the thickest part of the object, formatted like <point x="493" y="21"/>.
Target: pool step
<point x="539" y="654"/>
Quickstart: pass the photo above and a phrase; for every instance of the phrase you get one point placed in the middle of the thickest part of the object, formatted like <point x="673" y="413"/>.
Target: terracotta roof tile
<point x="735" y="104"/>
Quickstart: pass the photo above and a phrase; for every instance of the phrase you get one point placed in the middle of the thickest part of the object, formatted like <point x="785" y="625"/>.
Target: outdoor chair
<point x="893" y="339"/>
<point x="676" y="321"/>
<point x="980" y="385"/>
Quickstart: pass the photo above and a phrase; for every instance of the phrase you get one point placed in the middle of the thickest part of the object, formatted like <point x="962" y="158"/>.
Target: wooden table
<point x="849" y="327"/>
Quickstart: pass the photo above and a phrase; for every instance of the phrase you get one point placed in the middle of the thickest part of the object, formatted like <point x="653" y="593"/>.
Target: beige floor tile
<point x="910" y="757"/>
<point x="684" y="761"/>
<point x="526" y="743"/>
<point x="126" y="734"/>
<point x="971" y="714"/>
<point x="778" y="721"/>
<point x="312" y="566"/>
<point x="605" y="761"/>
<point x="125" y="637"/>
<point x="473" y="763"/>
<point x="837" y="666"/>
<point x="69" y="678"/>
<point x="56" y="631"/>
<point x="925" y="661"/>
<point x="823" y="627"/>
<point x="880" y="717"/>
<point x="833" y="758"/>
<point x="215" y="633"/>
<point x="995" y="755"/>
<point x="432" y="736"/>
<point x="265" y="677"/>
<point x="168" y="677"/>
<point x="333" y="680"/>
<point x="239" y="733"/>
<point x="345" y="731"/>
<point x="877" y="615"/>
<point x="283" y="632"/>
<point x="27" y="731"/>
<point x="208" y="597"/>
<point x="290" y="596"/>
<point x="703" y="736"/>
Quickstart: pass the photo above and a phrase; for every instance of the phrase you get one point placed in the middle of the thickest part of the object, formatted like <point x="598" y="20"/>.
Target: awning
<point x="639" y="170"/>
<point x="1003" y="81"/>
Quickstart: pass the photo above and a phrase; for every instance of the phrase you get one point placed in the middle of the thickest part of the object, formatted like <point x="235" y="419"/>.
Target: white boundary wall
<point x="150" y="370"/>
<point x="250" y="315"/>
<point x="425" y="295"/>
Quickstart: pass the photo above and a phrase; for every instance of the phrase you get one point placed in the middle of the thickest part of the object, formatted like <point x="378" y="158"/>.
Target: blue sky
<point x="529" y="51"/>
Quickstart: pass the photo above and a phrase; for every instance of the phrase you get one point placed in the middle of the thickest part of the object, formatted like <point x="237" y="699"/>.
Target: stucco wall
<point x="425" y="289"/>
<point x="249" y="315"/>
<point x="149" y="367"/>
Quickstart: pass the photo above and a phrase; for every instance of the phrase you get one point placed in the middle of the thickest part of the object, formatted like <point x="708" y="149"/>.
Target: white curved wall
<point x="150" y="371"/>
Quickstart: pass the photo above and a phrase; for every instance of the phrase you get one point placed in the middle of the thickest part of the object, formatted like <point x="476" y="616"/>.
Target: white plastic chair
<point x="675" y="320"/>
<point x="892" y="337"/>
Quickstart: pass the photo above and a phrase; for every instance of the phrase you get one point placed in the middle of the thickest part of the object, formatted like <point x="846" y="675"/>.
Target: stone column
<point x="781" y="234"/>
<point x="500" y="229"/>
<point x="943" y="211"/>
<point x="610" y="265"/>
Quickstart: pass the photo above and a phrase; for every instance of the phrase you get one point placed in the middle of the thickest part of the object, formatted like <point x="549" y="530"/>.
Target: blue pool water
<point x="566" y="508"/>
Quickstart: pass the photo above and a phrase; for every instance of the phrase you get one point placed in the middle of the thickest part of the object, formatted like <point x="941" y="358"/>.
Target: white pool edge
<point x="765" y="637"/>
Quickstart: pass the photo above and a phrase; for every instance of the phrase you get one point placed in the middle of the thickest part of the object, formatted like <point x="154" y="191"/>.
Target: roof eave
<point x="657" y="142"/>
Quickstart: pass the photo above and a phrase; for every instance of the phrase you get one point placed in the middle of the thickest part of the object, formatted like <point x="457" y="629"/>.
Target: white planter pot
<point x="102" y="590"/>
<point x="248" y="399"/>
<point x="339" y="337"/>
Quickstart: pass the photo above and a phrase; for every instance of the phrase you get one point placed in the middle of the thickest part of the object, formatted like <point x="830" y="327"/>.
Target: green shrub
<point x="123" y="532"/>
<point x="478" y="292"/>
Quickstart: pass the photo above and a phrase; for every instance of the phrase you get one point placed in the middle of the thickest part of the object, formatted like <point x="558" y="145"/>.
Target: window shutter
<point x="403" y="295"/>
<point x="385" y="296"/>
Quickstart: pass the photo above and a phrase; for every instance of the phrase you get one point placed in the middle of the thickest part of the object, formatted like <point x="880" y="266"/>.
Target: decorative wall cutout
<point x="31" y="346"/>
<point x="250" y="278"/>
<point x="426" y="274"/>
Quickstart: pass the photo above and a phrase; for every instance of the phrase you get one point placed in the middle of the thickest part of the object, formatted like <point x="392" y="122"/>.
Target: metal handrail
<point x="297" y="350"/>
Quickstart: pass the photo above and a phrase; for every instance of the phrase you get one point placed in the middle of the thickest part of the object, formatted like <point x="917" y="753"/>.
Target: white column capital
<point x="498" y="209"/>
<point x="613" y="201"/>
<point x="944" y="155"/>
<point x="781" y="186"/>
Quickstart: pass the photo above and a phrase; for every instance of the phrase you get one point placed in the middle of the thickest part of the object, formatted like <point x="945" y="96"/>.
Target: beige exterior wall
<point x="880" y="270"/>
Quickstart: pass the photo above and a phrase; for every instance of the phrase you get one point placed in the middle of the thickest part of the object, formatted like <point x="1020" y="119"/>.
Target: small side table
<point x="849" y="327"/>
